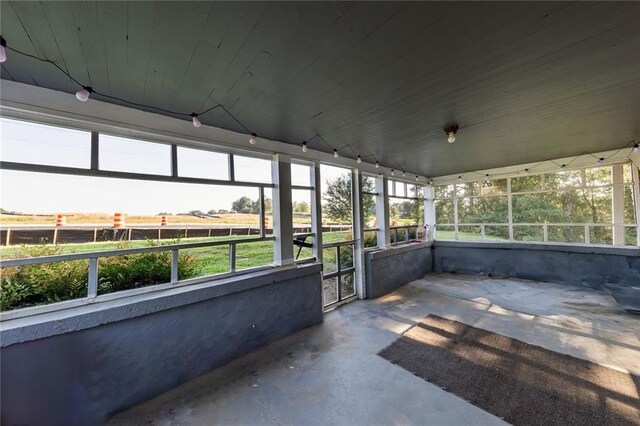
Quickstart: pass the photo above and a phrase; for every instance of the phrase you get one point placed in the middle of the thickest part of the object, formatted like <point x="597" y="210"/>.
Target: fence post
<point x="545" y="232"/>
<point x="8" y="241"/>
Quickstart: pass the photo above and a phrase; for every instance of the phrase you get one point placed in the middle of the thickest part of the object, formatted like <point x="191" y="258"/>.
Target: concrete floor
<point x="330" y="373"/>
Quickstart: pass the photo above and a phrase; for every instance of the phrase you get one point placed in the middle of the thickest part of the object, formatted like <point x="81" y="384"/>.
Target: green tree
<point x="242" y="205"/>
<point x="338" y="200"/>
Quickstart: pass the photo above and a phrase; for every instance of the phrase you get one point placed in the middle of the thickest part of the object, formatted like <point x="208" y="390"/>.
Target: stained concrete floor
<point x="330" y="373"/>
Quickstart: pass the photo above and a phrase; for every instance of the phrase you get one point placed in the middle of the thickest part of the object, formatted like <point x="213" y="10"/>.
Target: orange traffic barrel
<point x="61" y="220"/>
<point x="118" y="220"/>
<point x="164" y="221"/>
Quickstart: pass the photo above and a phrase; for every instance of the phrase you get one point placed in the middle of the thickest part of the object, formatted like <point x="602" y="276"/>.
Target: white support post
<point x="429" y="212"/>
<point x="282" y="210"/>
<point x="382" y="212"/>
<point x="617" y="204"/>
<point x="510" y="209"/>
<point x="358" y="232"/>
<point x="635" y="176"/>
<point x="455" y="212"/>
<point x="316" y="211"/>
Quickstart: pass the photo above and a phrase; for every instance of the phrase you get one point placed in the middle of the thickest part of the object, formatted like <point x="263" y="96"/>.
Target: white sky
<point x="29" y="192"/>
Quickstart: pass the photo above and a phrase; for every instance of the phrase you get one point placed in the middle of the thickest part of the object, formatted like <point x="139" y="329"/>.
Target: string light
<point x="3" y="49"/>
<point x="83" y="94"/>
<point x="304" y="146"/>
<point x="195" y="119"/>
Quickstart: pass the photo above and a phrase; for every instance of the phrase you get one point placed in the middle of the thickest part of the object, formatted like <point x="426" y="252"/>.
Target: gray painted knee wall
<point x="388" y="269"/>
<point x="593" y="267"/>
<point x="84" y="377"/>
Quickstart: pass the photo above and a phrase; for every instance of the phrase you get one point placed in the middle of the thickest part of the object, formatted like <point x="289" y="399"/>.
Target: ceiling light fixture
<point x="404" y="174"/>
<point x="359" y="159"/>
<point x="3" y="49"/>
<point x="335" y="153"/>
<point x="83" y="94"/>
<point x="393" y="173"/>
<point x="253" y="139"/>
<point x="195" y="119"/>
<point x="636" y="149"/>
<point x="451" y="131"/>
<point x="304" y="146"/>
<point x="417" y="178"/>
<point x="600" y="160"/>
<point x="377" y="165"/>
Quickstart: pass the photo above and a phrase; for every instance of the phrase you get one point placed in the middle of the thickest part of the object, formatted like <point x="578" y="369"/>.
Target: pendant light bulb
<point x="377" y="165"/>
<point x="636" y="149"/>
<point x="304" y="146"/>
<point x="195" y="119"/>
<point x="83" y="94"/>
<point x="451" y="131"/>
<point x="600" y="161"/>
<point x="335" y="153"/>
<point x="459" y="177"/>
<point x="417" y="178"/>
<point x="253" y="139"/>
<point x="359" y="159"/>
<point x="393" y="173"/>
<point x="404" y="174"/>
<point x="3" y="49"/>
<point x="563" y="166"/>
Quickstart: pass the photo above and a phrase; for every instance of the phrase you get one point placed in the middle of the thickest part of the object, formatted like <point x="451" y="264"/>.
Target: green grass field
<point x="209" y="260"/>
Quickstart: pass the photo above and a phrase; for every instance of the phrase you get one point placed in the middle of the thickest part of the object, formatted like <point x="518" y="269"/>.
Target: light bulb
<point x="304" y="146"/>
<point x="359" y="159"/>
<point x="377" y="165"/>
<point x="417" y="178"/>
<point x="195" y="119"/>
<point x="600" y="160"/>
<point x="459" y="177"/>
<point x="83" y="94"/>
<point x="404" y="174"/>
<point x="335" y="153"/>
<point x="430" y="181"/>
<point x="3" y="49"/>
<point x="393" y="173"/>
<point x="636" y="149"/>
<point x="526" y="170"/>
<point x="252" y="139"/>
<point x="563" y="166"/>
<point x="452" y="137"/>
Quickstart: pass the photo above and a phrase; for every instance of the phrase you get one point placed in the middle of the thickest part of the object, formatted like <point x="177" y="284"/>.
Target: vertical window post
<point x="316" y="211"/>
<point x="635" y="176"/>
<point x="282" y="210"/>
<point x="429" y="212"/>
<point x="382" y="212"/>
<point x="358" y="231"/>
<point x="510" y="209"/>
<point x="617" y="204"/>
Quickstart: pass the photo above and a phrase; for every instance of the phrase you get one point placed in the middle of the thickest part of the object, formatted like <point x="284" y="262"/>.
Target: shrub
<point x="32" y="285"/>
